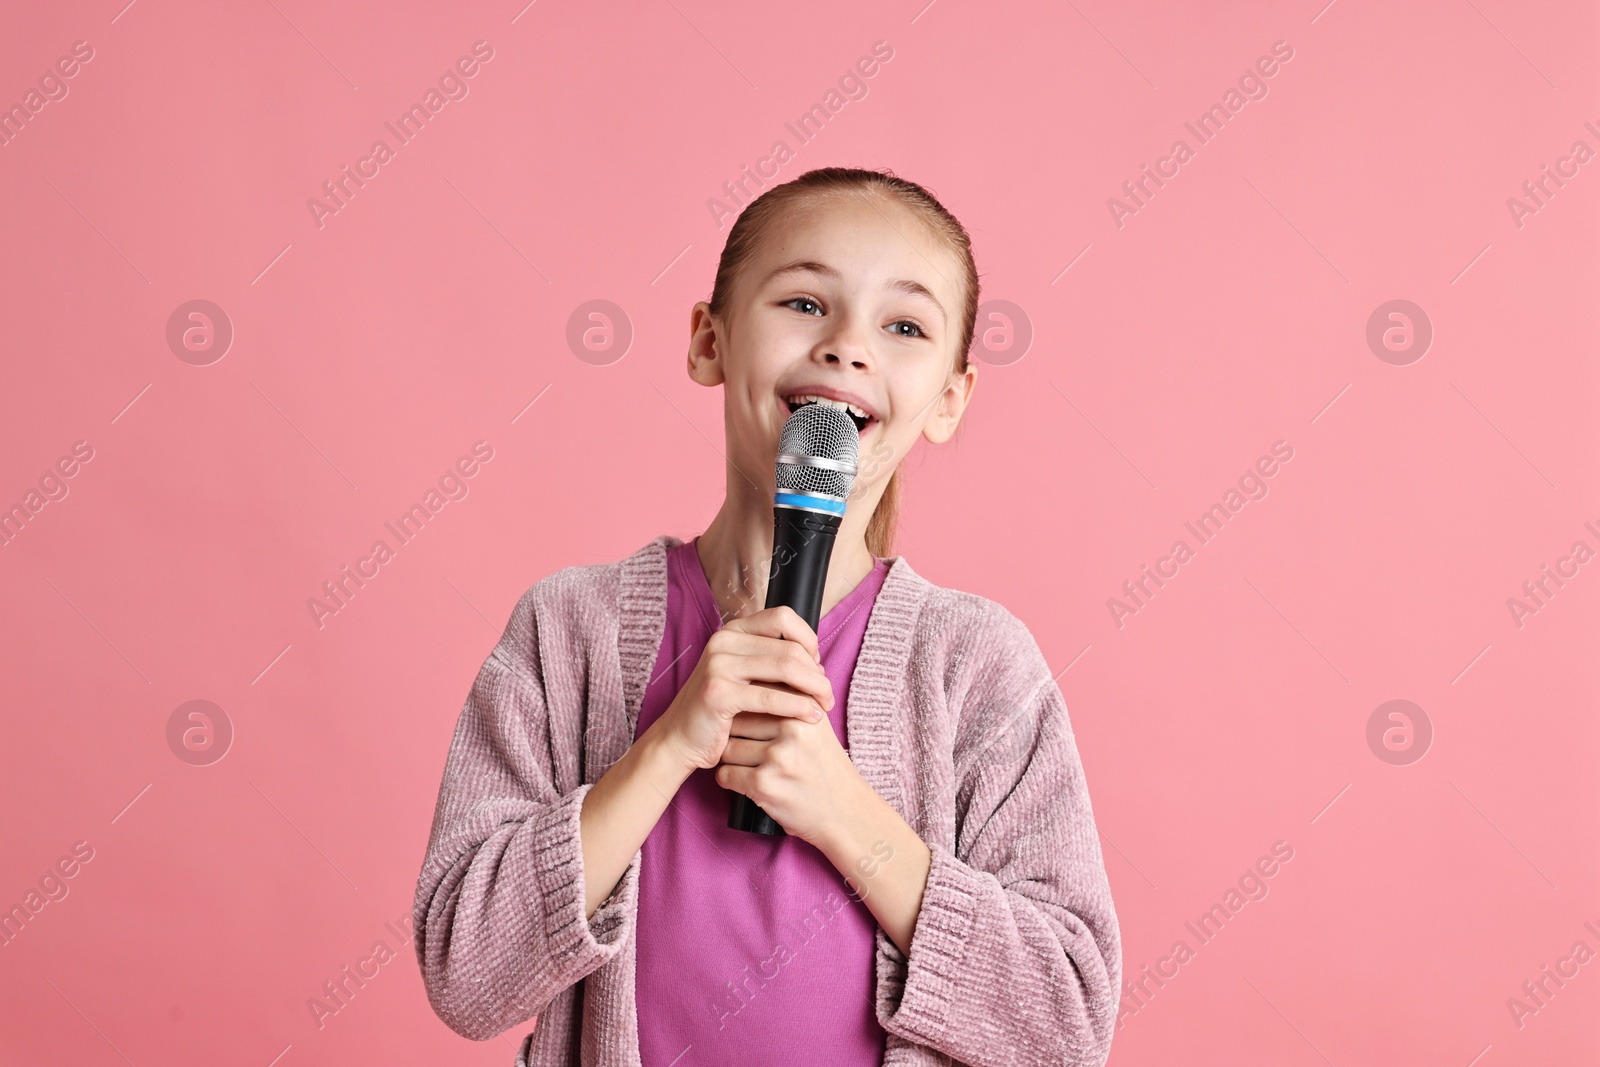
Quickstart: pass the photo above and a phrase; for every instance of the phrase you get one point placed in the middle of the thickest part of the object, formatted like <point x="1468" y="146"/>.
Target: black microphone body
<point x="816" y="469"/>
<point x="802" y="545"/>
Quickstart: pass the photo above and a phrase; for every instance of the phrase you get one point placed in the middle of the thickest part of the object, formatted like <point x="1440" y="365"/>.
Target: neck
<point x="736" y="551"/>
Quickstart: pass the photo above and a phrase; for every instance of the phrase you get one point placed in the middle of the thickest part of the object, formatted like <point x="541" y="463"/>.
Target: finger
<point x="788" y="667"/>
<point x="758" y="697"/>
<point x="754" y="658"/>
<point x="743" y="752"/>
<point x="739" y="779"/>
<point x="780" y="622"/>
<point x="755" y="725"/>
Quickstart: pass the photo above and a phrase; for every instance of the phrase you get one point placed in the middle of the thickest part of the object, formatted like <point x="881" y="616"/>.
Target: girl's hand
<point x="736" y="673"/>
<point x="797" y="772"/>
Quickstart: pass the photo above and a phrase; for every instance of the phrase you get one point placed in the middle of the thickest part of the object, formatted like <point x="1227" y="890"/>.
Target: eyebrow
<point x="899" y="285"/>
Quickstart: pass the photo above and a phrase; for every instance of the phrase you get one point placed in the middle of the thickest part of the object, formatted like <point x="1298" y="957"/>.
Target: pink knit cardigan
<point x="954" y="719"/>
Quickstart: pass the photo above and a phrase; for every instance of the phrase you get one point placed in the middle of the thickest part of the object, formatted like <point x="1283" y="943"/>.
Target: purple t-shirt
<point x="751" y="949"/>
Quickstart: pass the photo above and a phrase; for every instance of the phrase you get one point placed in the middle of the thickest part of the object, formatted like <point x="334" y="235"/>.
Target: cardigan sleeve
<point x="499" y="912"/>
<point x="1016" y="955"/>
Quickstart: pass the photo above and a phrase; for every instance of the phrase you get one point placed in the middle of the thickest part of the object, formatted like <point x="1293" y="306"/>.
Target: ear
<point x="950" y="405"/>
<point x="705" y="356"/>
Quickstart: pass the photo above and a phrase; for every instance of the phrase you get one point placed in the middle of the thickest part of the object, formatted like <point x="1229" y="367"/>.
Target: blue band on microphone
<point x="811" y="503"/>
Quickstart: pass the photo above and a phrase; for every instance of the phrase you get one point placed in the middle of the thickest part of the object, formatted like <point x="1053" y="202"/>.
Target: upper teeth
<point x="826" y="401"/>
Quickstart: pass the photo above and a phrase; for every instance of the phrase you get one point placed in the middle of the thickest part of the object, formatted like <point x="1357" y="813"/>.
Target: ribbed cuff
<point x="556" y="852"/>
<point x="939" y="945"/>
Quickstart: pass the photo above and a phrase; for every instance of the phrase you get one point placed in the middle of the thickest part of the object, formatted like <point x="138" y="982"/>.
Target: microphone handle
<point x="802" y="546"/>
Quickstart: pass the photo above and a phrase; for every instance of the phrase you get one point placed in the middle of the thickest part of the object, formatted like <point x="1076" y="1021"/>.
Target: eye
<point x="911" y="323"/>
<point x="802" y="300"/>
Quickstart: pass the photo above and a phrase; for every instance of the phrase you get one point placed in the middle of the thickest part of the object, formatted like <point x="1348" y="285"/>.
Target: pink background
<point x="1227" y="314"/>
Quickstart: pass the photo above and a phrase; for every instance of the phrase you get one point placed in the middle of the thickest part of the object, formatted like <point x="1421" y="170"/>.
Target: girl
<point x="940" y="895"/>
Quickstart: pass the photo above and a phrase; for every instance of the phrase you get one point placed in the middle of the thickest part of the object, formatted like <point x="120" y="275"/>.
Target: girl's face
<point x="850" y="297"/>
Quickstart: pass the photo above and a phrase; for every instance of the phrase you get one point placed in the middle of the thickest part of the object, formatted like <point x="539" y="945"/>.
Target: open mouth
<point x="859" y="417"/>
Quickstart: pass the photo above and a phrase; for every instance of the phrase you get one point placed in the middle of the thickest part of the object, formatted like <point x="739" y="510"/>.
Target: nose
<point x="846" y="346"/>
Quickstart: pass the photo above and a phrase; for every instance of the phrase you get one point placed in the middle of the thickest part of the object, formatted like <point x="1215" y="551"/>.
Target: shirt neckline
<point x="827" y="626"/>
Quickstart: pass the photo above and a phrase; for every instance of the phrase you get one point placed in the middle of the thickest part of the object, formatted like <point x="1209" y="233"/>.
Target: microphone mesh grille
<point x="815" y="430"/>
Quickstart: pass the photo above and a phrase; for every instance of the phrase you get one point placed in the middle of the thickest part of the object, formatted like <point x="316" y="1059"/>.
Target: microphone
<point x="816" y="468"/>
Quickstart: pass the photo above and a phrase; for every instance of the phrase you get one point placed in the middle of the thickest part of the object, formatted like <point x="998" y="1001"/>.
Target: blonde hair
<point x="753" y="221"/>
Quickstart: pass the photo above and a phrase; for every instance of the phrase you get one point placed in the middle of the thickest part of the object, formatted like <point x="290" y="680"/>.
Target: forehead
<point x="869" y="239"/>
